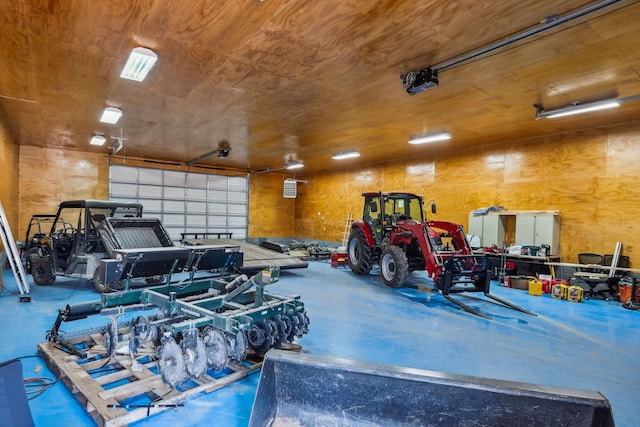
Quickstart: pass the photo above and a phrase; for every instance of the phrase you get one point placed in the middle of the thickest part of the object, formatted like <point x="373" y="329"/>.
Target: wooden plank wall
<point x="49" y="176"/>
<point x="9" y="181"/>
<point x="270" y="214"/>
<point x="592" y="177"/>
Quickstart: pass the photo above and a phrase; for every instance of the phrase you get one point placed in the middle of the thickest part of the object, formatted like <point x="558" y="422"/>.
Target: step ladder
<point x="347" y="230"/>
<point x="12" y="253"/>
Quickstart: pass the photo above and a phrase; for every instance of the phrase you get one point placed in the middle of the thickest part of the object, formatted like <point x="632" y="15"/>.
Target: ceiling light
<point x="111" y="115"/>
<point x="98" y="140"/>
<point x="575" y="108"/>
<point x="345" y="155"/>
<point x="140" y="62"/>
<point x="294" y="164"/>
<point x="423" y="139"/>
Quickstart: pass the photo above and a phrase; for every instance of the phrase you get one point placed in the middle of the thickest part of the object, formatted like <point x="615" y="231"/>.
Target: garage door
<point x="185" y="202"/>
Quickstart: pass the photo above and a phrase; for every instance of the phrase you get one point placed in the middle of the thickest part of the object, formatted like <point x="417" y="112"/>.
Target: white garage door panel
<point x="173" y="206"/>
<point x="217" y="209"/>
<point x="149" y="176"/>
<point x="196" y="180"/>
<point x="237" y="197"/>
<point x="197" y="221"/>
<point x="150" y="192"/>
<point x="235" y="221"/>
<point x="170" y="220"/>
<point x="196" y="208"/>
<point x="218" y="221"/>
<point x="184" y="202"/>
<point x="238" y="233"/>
<point x="175" y="193"/>
<point x="124" y="190"/>
<point x="236" y="209"/>
<point x="176" y="179"/>
<point x="217" y="196"/>
<point x="150" y="205"/>
<point x="237" y="184"/>
<point x="124" y="174"/>
<point x="218" y="182"/>
<point x="196" y="194"/>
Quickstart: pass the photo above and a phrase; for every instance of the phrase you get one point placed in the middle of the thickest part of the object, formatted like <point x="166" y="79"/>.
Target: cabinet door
<point x="493" y="230"/>
<point x="526" y="230"/>
<point x="475" y="226"/>
<point x="547" y="231"/>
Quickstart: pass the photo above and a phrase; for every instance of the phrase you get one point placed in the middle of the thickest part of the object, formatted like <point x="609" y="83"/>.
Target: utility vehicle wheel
<point x="359" y="253"/>
<point x="394" y="267"/>
<point x="42" y="270"/>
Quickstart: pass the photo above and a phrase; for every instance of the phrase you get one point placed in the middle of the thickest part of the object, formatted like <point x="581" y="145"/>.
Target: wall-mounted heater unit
<point x="290" y="188"/>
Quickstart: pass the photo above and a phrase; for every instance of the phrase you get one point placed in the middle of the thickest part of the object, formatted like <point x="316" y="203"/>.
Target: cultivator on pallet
<point x="195" y="325"/>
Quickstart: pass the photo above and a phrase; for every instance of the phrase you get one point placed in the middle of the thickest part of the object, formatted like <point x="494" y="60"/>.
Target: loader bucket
<point x="303" y="390"/>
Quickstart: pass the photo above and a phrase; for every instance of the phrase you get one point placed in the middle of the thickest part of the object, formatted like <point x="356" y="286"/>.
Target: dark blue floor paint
<point x="594" y="345"/>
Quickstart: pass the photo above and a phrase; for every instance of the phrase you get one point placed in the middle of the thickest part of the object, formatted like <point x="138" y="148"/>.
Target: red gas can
<point x="546" y="286"/>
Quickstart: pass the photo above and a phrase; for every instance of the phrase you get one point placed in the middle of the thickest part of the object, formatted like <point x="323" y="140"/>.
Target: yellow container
<point x="575" y="293"/>
<point x="559" y="291"/>
<point x="535" y="287"/>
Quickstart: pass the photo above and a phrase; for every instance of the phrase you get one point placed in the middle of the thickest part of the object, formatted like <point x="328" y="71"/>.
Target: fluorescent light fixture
<point x="111" y="115"/>
<point x="140" y="62"/>
<point x="423" y="139"/>
<point x="98" y="140"/>
<point x="575" y="108"/>
<point x="294" y="164"/>
<point x="345" y="155"/>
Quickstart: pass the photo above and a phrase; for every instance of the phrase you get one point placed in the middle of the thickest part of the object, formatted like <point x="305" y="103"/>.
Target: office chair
<point x="591" y="274"/>
<point x="600" y="282"/>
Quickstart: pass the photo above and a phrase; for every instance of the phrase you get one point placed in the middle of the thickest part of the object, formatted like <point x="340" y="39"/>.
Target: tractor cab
<point x="383" y="210"/>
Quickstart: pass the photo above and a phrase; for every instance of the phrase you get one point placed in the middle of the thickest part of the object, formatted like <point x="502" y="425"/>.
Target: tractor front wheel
<point x="394" y="267"/>
<point x="359" y="253"/>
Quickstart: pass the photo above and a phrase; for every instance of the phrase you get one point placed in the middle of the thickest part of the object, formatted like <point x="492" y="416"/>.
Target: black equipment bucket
<point x="307" y="390"/>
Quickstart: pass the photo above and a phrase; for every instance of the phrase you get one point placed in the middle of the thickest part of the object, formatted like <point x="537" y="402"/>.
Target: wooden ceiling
<point x="307" y="78"/>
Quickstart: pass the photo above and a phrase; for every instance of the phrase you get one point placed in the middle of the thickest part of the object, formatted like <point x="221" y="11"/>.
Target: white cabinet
<point x="539" y="229"/>
<point x="489" y="227"/>
<point x="532" y="228"/>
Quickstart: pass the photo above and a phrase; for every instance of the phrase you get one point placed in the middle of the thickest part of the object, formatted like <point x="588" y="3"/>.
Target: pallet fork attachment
<point x="470" y="273"/>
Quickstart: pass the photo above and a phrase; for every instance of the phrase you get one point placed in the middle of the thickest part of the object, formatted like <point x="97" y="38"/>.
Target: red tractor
<point x="394" y="234"/>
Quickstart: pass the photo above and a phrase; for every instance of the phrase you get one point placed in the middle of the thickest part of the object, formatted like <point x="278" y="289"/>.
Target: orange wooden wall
<point x="270" y="214"/>
<point x="9" y="178"/>
<point x="592" y="177"/>
<point x="49" y="176"/>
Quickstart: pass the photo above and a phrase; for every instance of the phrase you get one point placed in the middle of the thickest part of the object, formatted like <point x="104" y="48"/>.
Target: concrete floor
<point x="590" y="346"/>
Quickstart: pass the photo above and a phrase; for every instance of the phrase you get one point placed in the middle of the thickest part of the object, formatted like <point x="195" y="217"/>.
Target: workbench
<point x="525" y="265"/>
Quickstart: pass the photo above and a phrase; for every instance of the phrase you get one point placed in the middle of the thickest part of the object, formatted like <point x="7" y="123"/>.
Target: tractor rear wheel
<point x="359" y="253"/>
<point x="42" y="270"/>
<point x="394" y="267"/>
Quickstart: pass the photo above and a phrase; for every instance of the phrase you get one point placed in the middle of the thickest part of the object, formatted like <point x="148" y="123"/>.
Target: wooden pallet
<point x="106" y="396"/>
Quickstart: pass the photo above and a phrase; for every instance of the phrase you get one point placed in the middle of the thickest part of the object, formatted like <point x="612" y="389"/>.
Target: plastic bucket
<point x="624" y="291"/>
